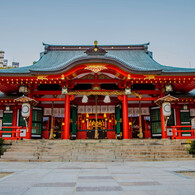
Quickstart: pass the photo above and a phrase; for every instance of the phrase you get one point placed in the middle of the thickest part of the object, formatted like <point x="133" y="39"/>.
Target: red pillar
<point x="178" y="117"/>
<point x="14" y="120"/>
<point x="28" y="134"/>
<point x="164" y="133"/>
<point x="67" y="118"/>
<point x="125" y="117"/>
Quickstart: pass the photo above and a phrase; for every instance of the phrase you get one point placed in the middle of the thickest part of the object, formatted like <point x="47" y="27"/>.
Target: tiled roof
<point x="135" y="59"/>
<point x="23" y="70"/>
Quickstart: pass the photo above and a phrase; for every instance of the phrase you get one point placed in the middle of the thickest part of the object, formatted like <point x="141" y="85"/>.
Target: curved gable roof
<point x="133" y="58"/>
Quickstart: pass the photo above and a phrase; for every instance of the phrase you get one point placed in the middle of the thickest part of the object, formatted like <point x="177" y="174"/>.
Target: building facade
<point x="5" y="63"/>
<point x="15" y="64"/>
<point x="101" y="92"/>
<point x="1" y="58"/>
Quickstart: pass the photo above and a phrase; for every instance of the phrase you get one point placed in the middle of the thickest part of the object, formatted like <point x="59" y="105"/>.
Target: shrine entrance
<point x="106" y="127"/>
<point x="96" y="119"/>
<point x="57" y="126"/>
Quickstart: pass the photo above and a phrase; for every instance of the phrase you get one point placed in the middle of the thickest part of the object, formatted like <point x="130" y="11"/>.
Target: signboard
<point x="193" y="123"/>
<point x="1" y="122"/>
<point x="22" y="132"/>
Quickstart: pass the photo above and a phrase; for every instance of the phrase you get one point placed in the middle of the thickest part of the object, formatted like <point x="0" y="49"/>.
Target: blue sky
<point x="169" y="26"/>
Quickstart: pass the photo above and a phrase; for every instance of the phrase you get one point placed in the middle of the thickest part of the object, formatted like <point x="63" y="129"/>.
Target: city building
<point x="98" y="91"/>
<point x="15" y="64"/>
<point x="1" y="58"/>
<point x="5" y="63"/>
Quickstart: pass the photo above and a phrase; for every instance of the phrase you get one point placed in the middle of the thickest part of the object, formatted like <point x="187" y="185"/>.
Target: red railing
<point x="177" y="132"/>
<point x="15" y="133"/>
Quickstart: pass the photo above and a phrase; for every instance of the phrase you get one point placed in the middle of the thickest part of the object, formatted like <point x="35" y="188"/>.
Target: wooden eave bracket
<point x="167" y="98"/>
<point x="25" y="99"/>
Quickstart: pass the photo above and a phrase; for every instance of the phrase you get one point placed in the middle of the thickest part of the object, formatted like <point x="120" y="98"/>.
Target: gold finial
<point x="95" y="43"/>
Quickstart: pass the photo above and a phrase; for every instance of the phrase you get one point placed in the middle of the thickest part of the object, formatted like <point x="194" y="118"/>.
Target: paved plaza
<point x="82" y="178"/>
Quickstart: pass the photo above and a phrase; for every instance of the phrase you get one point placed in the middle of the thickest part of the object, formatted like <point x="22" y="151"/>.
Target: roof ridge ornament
<point x="95" y="50"/>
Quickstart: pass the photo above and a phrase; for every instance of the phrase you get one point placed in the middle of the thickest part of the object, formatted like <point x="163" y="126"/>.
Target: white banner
<point x="130" y="111"/>
<point x="62" y="110"/>
<point x="56" y="112"/>
<point x="81" y="109"/>
<point x="135" y="111"/>
<point x="1" y="113"/>
<point x="192" y="112"/>
<point x="145" y="111"/>
<point x="92" y="109"/>
<point x="98" y="109"/>
<point x="111" y="109"/>
<point x="89" y="109"/>
<point x="47" y="111"/>
<point x="104" y="109"/>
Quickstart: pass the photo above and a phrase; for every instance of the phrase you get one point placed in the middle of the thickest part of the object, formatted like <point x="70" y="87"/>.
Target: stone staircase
<point x="96" y="150"/>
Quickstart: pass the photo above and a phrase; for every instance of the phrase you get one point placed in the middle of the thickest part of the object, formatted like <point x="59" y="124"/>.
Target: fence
<point x="15" y="133"/>
<point x="180" y="133"/>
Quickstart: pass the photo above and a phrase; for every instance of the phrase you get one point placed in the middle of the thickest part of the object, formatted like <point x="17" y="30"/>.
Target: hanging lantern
<point x="87" y="115"/>
<point x="127" y="91"/>
<point x="185" y="107"/>
<point x="85" y="99"/>
<point x="64" y="90"/>
<point x="105" y="115"/>
<point x="107" y="99"/>
<point x="168" y="88"/>
<point x="23" y="89"/>
<point x="7" y="108"/>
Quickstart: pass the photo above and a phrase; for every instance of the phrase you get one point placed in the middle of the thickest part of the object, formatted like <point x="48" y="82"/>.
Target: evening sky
<point x="169" y="26"/>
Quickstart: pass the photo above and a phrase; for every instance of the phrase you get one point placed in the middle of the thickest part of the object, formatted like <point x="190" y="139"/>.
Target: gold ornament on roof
<point x="95" y="43"/>
<point x="95" y="68"/>
<point x="42" y="77"/>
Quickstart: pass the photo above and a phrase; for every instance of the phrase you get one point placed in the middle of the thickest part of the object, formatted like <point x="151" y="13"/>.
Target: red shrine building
<point x="97" y="92"/>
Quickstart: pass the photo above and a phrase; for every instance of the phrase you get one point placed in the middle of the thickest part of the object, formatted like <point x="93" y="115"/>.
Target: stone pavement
<point x="97" y="178"/>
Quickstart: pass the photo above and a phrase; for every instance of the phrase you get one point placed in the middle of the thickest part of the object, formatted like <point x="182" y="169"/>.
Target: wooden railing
<point x="15" y="133"/>
<point x="178" y="132"/>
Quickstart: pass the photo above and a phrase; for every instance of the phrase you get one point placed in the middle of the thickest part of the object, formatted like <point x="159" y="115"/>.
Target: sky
<point x="169" y="26"/>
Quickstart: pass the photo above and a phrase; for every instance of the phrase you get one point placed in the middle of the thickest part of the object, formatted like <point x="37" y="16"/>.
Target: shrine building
<point x="97" y="92"/>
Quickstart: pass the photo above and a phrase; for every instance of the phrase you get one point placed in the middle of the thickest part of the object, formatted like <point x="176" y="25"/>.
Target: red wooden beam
<point x="99" y="81"/>
<point x="148" y="91"/>
<point x="59" y="92"/>
<point x="49" y="99"/>
<point x="143" y="99"/>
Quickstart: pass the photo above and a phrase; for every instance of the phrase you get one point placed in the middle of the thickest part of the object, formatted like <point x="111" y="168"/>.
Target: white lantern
<point x="166" y="106"/>
<point x="107" y="99"/>
<point x="26" y="110"/>
<point x="85" y="99"/>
